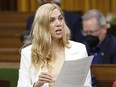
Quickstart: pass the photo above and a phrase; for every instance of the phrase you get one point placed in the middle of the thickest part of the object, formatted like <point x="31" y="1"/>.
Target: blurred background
<point x="13" y="18"/>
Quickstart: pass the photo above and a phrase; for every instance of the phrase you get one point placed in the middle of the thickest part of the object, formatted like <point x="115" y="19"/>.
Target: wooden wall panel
<point x="103" y="5"/>
<point x="34" y="4"/>
<point x="8" y="5"/>
<point x="72" y="5"/>
<point x="22" y="5"/>
<point x="86" y="5"/>
<point x="75" y="5"/>
<point x="27" y="5"/>
<point x="113" y="6"/>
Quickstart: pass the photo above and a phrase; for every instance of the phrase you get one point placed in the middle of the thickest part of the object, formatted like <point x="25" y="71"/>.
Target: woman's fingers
<point x="44" y="77"/>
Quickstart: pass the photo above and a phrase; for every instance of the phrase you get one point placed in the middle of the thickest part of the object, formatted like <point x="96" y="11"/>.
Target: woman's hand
<point x="44" y="77"/>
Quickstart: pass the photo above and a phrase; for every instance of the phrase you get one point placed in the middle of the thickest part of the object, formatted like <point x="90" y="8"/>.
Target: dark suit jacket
<point x="108" y="51"/>
<point x="109" y="56"/>
<point x="73" y="20"/>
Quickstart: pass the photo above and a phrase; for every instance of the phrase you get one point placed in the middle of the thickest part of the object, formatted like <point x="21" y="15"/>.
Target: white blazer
<point x="27" y="76"/>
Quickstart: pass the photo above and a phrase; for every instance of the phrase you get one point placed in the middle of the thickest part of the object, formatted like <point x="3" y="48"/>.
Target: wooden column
<point x="23" y="5"/>
<point x="76" y="5"/>
<point x="113" y="6"/>
<point x="86" y="5"/>
<point x="34" y="4"/>
<point x="102" y="5"/>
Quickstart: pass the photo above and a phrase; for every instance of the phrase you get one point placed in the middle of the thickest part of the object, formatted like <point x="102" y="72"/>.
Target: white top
<point x="27" y="75"/>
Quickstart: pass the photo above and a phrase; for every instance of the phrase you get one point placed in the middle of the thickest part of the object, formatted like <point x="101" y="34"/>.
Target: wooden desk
<point x="105" y="74"/>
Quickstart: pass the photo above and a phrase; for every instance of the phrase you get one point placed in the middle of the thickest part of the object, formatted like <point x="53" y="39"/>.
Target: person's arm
<point x="24" y="72"/>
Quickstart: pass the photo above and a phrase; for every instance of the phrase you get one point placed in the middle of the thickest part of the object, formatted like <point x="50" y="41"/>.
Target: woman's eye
<point x="60" y="18"/>
<point x="51" y="20"/>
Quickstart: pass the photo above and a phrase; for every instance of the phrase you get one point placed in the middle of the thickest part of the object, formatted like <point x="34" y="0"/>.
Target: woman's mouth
<point x="58" y="31"/>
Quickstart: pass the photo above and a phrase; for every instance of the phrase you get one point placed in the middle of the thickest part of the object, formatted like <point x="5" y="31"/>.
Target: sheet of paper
<point x="74" y="73"/>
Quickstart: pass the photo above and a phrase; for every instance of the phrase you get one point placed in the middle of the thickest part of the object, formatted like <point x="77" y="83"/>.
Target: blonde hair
<point x="42" y="54"/>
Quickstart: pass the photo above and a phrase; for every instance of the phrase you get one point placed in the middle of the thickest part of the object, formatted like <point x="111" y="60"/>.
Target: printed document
<point x="74" y="72"/>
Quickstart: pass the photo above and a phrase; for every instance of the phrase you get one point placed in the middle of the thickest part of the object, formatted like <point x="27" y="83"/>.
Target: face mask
<point x="92" y="41"/>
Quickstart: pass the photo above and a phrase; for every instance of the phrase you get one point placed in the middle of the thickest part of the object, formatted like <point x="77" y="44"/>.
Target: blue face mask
<point x="92" y="41"/>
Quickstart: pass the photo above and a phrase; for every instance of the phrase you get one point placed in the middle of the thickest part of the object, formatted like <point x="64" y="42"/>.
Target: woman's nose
<point x="58" y="22"/>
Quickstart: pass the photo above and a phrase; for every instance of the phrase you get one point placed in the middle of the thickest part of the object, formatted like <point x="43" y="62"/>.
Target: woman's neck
<point x="56" y="46"/>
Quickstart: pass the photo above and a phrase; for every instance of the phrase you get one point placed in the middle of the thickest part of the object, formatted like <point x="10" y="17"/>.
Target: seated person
<point x="98" y="42"/>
